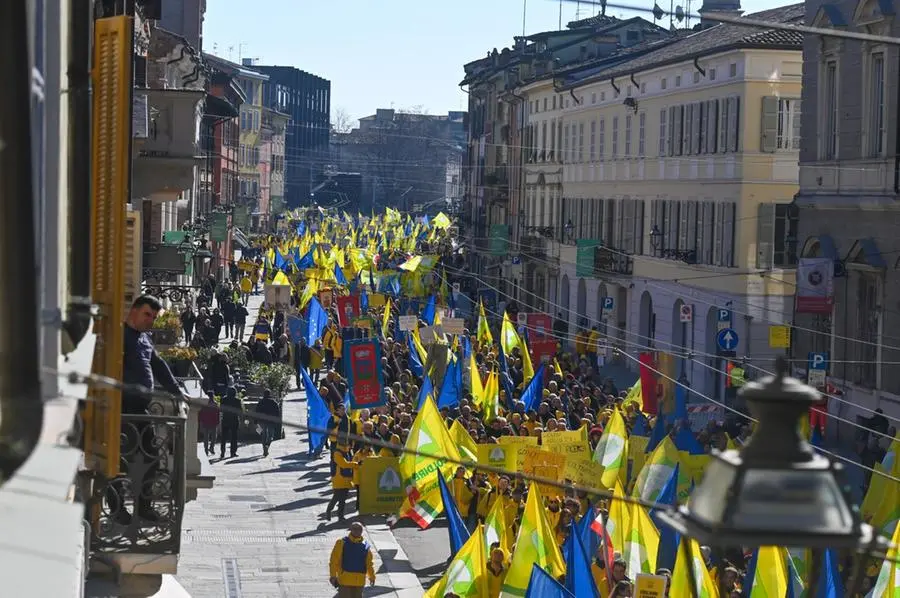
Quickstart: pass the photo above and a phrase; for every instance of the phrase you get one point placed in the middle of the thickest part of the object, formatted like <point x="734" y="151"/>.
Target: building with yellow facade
<point x="678" y="168"/>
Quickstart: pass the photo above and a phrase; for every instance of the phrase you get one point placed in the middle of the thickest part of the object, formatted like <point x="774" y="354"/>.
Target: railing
<point x="140" y="511"/>
<point x="608" y="260"/>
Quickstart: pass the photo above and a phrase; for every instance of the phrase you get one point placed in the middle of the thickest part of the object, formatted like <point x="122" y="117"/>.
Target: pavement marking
<point x="232" y="577"/>
<point x="247" y="498"/>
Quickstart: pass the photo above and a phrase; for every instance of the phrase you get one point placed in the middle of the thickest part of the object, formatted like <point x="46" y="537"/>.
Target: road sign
<point x="724" y="317"/>
<point x="817" y="369"/>
<point x="817" y="361"/>
<point x="687" y="313"/>
<point x="779" y="337"/>
<point x="609" y="303"/>
<point x="727" y="339"/>
<point x="522" y="319"/>
<point x="456" y="288"/>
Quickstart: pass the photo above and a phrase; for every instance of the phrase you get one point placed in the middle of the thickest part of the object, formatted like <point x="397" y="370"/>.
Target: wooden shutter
<point x="734" y="120"/>
<point x="683" y="225"/>
<point x="639" y="227"/>
<point x="712" y="125"/>
<point x="696" y="128"/>
<point x="768" y="141"/>
<point x="719" y="228"/>
<point x="723" y="125"/>
<point x="133" y="258"/>
<point x="671" y="133"/>
<point x="728" y="226"/>
<point x="765" y="236"/>
<point x="706" y="233"/>
<point x="111" y="170"/>
<point x="692" y="226"/>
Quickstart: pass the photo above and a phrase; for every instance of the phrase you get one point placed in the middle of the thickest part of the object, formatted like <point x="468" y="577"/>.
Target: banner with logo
<point x="347" y="309"/>
<point x="362" y="359"/>
<point x="380" y="488"/>
<point x="520" y="443"/>
<point x="539" y="326"/>
<point x="815" y="285"/>
<point x="543" y="350"/>
<point x="497" y="455"/>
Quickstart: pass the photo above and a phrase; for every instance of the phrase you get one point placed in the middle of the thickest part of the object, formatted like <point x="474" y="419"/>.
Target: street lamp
<point x="776" y="491"/>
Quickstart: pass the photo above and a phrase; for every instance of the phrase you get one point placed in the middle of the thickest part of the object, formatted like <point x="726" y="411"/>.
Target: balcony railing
<point x="609" y="260"/>
<point x="140" y="511"/>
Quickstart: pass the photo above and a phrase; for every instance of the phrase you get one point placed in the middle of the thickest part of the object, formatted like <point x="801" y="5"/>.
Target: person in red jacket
<point x="209" y="424"/>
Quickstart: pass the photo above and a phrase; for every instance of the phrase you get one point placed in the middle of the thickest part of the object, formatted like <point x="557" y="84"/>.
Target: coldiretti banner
<point x="380" y="488"/>
<point x="497" y="455"/>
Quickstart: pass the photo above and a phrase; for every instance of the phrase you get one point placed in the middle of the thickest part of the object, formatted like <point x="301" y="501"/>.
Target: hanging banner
<point x="326" y="297"/>
<point x="543" y="350"/>
<point x="347" y="309"/>
<point x="379" y="480"/>
<point x="362" y="359"/>
<point x="539" y="325"/>
<point x="815" y="285"/>
<point x="218" y="227"/>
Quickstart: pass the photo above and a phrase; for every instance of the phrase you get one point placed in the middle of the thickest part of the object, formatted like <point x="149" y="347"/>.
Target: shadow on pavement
<point x="323" y="527"/>
<point x="243" y="460"/>
<point x="297" y="504"/>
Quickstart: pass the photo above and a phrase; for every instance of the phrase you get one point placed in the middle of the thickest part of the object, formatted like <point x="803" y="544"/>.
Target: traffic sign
<point x="724" y="318"/>
<point x="817" y="369"/>
<point x="608" y="303"/>
<point x="727" y="339"/>
<point x="687" y="313"/>
<point x="779" y="337"/>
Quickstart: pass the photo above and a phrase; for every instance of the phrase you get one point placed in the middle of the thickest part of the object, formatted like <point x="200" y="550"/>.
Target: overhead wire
<point x="686" y="354"/>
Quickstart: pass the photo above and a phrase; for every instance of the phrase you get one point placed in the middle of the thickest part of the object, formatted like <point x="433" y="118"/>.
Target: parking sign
<point x="724" y="318"/>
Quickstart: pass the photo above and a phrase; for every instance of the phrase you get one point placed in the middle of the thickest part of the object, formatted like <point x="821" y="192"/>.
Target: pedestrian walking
<point x="188" y="318"/>
<point x="269" y="430"/>
<point x="209" y="424"/>
<point x="232" y="408"/>
<point x="351" y="563"/>
<point x="240" y="321"/>
<point x="228" y="315"/>
<point x="246" y="286"/>
<point x="341" y="480"/>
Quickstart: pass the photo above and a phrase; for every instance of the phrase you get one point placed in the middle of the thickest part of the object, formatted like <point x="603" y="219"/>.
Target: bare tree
<point x="342" y="122"/>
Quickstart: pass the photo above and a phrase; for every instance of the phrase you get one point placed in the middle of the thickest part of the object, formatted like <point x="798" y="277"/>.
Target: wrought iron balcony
<point x="136" y="517"/>
<point x="609" y="260"/>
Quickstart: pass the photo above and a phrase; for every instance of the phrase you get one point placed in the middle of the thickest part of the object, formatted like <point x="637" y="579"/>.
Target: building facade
<point x="306" y="99"/>
<point x="274" y="138"/>
<point x="404" y="159"/>
<point x="847" y="203"/>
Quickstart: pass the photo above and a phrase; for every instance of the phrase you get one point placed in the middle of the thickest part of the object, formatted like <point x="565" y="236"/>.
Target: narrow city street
<point x="257" y="532"/>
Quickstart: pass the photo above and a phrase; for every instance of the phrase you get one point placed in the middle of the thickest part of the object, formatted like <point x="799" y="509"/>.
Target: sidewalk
<point x="256" y="533"/>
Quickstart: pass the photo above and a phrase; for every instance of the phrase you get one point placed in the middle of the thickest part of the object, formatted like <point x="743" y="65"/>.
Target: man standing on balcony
<point x="141" y="366"/>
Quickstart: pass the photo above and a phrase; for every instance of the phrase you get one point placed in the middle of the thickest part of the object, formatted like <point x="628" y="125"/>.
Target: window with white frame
<point x="788" y="137"/>
<point x="830" y="110"/>
<point x="663" y="135"/>
<point x="601" y="142"/>
<point x="615" y="136"/>
<point x="642" y="134"/>
<point x="876" y="130"/>
<point x="593" y="148"/>
<point x="628" y="120"/>
<point x="581" y="142"/>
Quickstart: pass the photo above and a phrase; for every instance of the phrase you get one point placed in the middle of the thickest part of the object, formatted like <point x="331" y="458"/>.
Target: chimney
<point x="730" y="7"/>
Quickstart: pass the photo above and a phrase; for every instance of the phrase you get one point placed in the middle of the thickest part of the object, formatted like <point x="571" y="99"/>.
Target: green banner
<point x="584" y="256"/>
<point x="499" y="239"/>
<point x="240" y="217"/>
<point x="218" y="227"/>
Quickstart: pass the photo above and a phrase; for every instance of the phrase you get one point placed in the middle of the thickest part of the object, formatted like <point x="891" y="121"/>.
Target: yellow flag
<point x="386" y="319"/>
<point x="281" y="279"/>
<point x="467" y="447"/>
<point x="419" y="473"/>
<point x="612" y="452"/>
<point x="681" y="578"/>
<point x="467" y="575"/>
<point x="527" y="367"/>
<point x="491" y="405"/>
<point x="496" y="528"/>
<point x="484" y="336"/>
<point x="475" y="384"/>
<point x="509" y="338"/>
<point x="535" y="545"/>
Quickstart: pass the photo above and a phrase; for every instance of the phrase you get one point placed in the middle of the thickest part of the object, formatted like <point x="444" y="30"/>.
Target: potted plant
<point x="179" y="359"/>
<point x="166" y="329"/>
<point x="276" y="377"/>
<point x="239" y="361"/>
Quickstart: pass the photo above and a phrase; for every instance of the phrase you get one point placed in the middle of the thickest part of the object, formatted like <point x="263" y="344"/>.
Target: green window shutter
<point x="768" y="141"/>
<point x="765" y="236"/>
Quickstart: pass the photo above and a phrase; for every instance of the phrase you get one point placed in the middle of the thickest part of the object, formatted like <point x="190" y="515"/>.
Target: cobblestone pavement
<point x="257" y="533"/>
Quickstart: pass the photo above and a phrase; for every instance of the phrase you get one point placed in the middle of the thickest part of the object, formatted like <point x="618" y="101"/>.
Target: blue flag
<point x="455" y="526"/>
<point x="415" y="364"/>
<point x="339" y="276"/>
<point x="579" y="580"/>
<point x="427" y="389"/>
<point x="316" y="322"/>
<point x="506" y="380"/>
<point x="542" y="585"/>
<point x="686" y="441"/>
<point x="429" y="311"/>
<point x="317" y="414"/>
<point x="306" y="261"/>
<point x="668" y="537"/>
<point x="657" y="434"/>
<point x="450" y="388"/>
<point x="532" y="394"/>
<point x="830" y="583"/>
<point x="589" y="538"/>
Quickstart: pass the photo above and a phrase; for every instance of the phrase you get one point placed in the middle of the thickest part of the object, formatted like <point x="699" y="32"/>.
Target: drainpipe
<point x="21" y="407"/>
<point x="78" y="312"/>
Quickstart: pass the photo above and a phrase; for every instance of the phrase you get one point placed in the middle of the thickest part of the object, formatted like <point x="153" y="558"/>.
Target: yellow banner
<point x="518" y="444"/>
<point x="377" y="300"/>
<point x="584" y="472"/>
<point x="497" y="455"/>
<point x="541" y="463"/>
<point x="381" y="490"/>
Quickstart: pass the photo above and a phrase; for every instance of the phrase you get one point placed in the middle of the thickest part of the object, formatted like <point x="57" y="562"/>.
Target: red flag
<point x="648" y="384"/>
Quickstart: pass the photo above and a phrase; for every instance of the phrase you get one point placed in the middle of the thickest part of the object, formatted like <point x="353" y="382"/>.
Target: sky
<point x="390" y="53"/>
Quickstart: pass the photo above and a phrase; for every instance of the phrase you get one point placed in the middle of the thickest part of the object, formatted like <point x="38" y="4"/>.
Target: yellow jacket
<point x="351" y="579"/>
<point x="343" y="470"/>
<point x="495" y="581"/>
<point x="462" y="495"/>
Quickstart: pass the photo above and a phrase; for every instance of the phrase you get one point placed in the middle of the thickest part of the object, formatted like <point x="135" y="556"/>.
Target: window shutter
<point x="639" y="227"/>
<point x="768" y="141"/>
<point x="683" y="225"/>
<point x="719" y="231"/>
<point x="706" y="233"/>
<point x="671" y="133"/>
<point x="692" y="227"/>
<point x="723" y="125"/>
<point x="712" y="115"/>
<point x="765" y="236"/>
<point x="628" y="227"/>
<point x="734" y="114"/>
<point x="696" y="128"/>
<point x="728" y="253"/>
<point x="620" y="223"/>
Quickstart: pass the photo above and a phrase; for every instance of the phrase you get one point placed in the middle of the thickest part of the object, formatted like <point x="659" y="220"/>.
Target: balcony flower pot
<point x="180" y="360"/>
